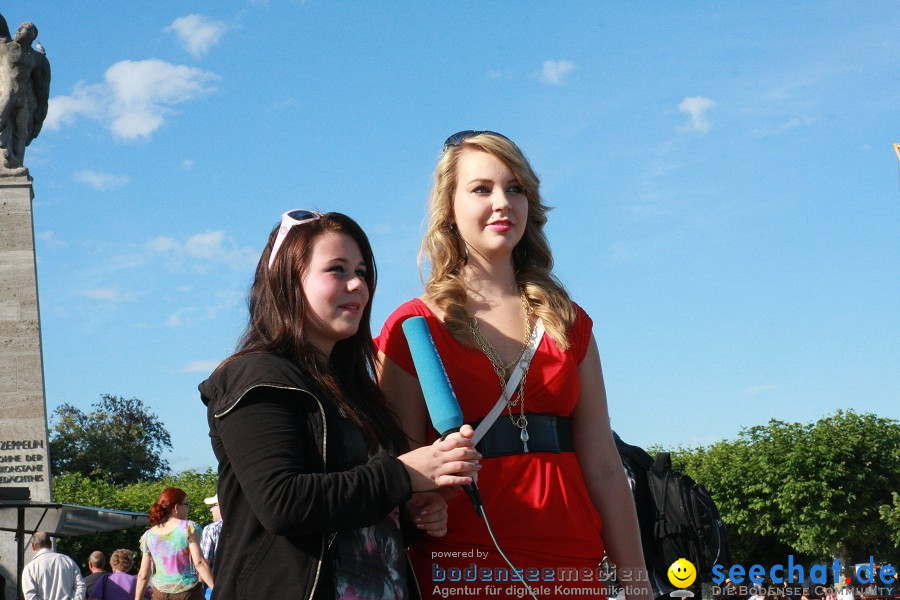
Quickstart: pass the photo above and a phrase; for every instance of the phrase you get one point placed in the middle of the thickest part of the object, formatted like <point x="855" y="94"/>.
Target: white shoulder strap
<point x="521" y="366"/>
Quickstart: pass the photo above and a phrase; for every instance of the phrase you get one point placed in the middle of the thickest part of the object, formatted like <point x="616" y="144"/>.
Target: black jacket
<point x="281" y="487"/>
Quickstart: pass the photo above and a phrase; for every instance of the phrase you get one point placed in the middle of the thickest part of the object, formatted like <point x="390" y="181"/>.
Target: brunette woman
<point x="306" y="444"/>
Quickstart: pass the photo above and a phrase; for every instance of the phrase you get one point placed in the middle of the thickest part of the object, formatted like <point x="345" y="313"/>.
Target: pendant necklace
<point x="518" y="397"/>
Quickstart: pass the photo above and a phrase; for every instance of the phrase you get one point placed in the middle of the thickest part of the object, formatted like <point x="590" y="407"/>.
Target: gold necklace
<point x="520" y="421"/>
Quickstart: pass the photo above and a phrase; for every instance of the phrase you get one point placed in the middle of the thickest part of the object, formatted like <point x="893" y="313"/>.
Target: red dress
<point x="537" y="503"/>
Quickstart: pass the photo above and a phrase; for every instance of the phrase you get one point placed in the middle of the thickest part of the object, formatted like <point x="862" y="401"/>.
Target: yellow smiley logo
<point x="682" y="573"/>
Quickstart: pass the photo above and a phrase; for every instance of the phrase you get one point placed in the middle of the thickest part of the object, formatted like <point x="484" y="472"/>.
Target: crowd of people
<point x="175" y="557"/>
<point x="51" y="575"/>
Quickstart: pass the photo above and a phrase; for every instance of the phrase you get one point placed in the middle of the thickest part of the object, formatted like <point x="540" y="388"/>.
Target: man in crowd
<point x="210" y="539"/>
<point x="50" y="575"/>
<point x="211" y="532"/>
<point x="97" y="567"/>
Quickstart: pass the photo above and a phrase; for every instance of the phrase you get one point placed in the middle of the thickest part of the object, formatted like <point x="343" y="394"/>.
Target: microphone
<point x="440" y="399"/>
<point x="443" y="407"/>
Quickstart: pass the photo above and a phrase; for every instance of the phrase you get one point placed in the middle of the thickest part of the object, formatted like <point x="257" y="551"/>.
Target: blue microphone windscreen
<point x="439" y="397"/>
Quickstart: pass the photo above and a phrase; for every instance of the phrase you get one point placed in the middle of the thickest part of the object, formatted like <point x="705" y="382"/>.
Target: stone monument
<point x="24" y="92"/>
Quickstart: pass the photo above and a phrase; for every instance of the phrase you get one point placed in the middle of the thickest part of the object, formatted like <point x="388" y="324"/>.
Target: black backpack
<point x="677" y="517"/>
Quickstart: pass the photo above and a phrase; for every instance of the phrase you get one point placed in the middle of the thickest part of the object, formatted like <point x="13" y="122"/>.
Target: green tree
<point x="75" y="488"/>
<point x="724" y="469"/>
<point x="816" y="490"/>
<point x="119" y="440"/>
<point x="891" y="516"/>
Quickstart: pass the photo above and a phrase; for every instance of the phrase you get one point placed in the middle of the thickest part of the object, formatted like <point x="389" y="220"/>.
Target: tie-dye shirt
<point x="173" y="570"/>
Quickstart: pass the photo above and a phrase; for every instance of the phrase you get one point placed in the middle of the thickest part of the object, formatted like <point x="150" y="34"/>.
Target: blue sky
<point x="726" y="194"/>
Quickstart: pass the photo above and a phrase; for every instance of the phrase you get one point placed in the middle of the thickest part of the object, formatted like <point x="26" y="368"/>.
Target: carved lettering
<point x="13" y="463"/>
<point x="22" y="479"/>
<point x="22" y="469"/>
<point x="21" y="445"/>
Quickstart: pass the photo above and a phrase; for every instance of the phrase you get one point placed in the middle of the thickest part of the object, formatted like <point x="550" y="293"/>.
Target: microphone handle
<point x="474" y="495"/>
<point x="471" y="489"/>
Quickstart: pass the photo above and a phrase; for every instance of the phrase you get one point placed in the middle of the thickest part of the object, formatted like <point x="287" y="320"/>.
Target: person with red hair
<point x="171" y="552"/>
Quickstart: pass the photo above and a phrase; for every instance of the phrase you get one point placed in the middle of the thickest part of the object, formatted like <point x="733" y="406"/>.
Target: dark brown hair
<point x="278" y="311"/>
<point x="165" y="504"/>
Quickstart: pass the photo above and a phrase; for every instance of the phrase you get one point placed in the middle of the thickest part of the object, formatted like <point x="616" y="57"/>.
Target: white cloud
<point x="200" y="366"/>
<point x="187" y="164"/>
<point x="204" y="248"/>
<point x="620" y="252"/>
<point x="197" y="33"/>
<point x="134" y="99"/>
<point x="791" y="123"/>
<point x="163" y="243"/>
<point x="51" y="240"/>
<point x="696" y="107"/>
<point x="177" y="319"/>
<point x="101" y="181"/>
<point x="287" y="103"/>
<point x="205" y="245"/>
<point x="554" y="71"/>
<point x="143" y="91"/>
<point x="225" y="301"/>
<point x="106" y="294"/>
<point x="500" y="74"/>
<point x="64" y="110"/>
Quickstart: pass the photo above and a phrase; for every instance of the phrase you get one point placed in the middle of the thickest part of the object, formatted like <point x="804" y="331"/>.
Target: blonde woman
<point x="552" y="482"/>
<point x="121" y="584"/>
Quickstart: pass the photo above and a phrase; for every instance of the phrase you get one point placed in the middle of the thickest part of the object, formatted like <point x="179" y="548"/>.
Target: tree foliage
<point x="75" y="488"/>
<point x="891" y="516"/>
<point x="816" y="490"/>
<point x="119" y="441"/>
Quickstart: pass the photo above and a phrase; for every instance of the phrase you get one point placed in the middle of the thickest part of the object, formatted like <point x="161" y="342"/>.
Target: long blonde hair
<point x="445" y="251"/>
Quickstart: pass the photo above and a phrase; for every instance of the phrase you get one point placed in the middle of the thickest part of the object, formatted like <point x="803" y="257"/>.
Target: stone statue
<point x="24" y="95"/>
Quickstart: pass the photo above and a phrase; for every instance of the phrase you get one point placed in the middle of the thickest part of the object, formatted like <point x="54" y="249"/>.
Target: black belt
<point x="546" y="433"/>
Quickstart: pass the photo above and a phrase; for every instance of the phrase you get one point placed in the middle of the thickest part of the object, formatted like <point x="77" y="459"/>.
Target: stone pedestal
<point x="23" y="414"/>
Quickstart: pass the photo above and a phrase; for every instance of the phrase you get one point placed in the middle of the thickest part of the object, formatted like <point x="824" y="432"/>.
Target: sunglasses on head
<point x="457" y="138"/>
<point x="297" y="216"/>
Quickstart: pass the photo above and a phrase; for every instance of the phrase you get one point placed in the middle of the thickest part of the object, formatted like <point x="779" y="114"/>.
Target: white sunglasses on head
<point x="298" y="216"/>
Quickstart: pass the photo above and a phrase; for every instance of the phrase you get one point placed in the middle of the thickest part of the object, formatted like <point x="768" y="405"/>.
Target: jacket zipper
<point x="324" y="460"/>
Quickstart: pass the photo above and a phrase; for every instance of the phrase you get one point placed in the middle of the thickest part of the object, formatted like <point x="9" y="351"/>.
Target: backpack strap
<point x="664" y="526"/>
<point x="663" y="461"/>
<point x="662" y="468"/>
